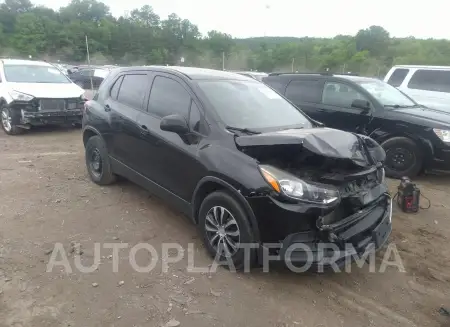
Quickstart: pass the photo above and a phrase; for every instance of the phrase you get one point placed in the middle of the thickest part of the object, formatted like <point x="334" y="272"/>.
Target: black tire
<point x="246" y="234"/>
<point x="12" y="128"/>
<point x="103" y="175"/>
<point x="410" y="154"/>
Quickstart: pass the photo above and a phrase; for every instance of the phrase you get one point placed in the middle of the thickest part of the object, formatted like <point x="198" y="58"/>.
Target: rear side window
<point x="304" y="91"/>
<point x="133" y="90"/>
<point x="168" y="97"/>
<point x="398" y="76"/>
<point x="115" y="89"/>
<point x="430" y="80"/>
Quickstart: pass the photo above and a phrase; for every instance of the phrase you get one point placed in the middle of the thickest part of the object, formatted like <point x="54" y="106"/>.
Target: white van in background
<point x="427" y="85"/>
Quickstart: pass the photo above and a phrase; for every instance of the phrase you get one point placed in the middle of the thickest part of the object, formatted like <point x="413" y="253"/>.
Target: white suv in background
<point x="36" y="93"/>
<point x="427" y="85"/>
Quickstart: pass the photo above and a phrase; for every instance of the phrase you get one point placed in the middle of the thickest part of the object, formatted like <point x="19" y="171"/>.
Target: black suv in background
<point x="238" y="159"/>
<point x="414" y="137"/>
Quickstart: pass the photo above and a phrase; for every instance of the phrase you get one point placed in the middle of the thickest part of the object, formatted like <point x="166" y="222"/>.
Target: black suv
<point x="415" y="138"/>
<point x="242" y="162"/>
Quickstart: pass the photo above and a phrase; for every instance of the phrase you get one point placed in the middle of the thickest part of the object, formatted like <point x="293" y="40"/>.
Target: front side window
<point x="430" y="80"/>
<point x="340" y="95"/>
<point x="397" y="77"/>
<point x="115" y="89"/>
<point x="386" y="94"/>
<point x="133" y="90"/>
<point x="34" y="74"/>
<point x="168" y="97"/>
<point x="252" y="105"/>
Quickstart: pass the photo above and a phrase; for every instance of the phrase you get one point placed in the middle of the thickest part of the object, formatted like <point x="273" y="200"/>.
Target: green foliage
<point x="142" y="37"/>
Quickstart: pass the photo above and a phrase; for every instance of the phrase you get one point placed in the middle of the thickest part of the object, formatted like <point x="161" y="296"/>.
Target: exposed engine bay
<point x="349" y="162"/>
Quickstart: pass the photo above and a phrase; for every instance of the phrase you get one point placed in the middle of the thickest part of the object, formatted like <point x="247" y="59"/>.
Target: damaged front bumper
<point x="51" y="117"/>
<point x="344" y="241"/>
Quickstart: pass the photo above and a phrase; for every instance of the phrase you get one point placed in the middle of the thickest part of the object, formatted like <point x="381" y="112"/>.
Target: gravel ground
<point x="47" y="198"/>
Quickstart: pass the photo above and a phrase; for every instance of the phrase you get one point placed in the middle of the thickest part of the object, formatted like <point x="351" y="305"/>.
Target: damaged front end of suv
<point x="326" y="198"/>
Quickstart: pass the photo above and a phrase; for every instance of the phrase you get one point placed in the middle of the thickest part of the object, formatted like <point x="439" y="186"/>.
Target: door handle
<point x="107" y="108"/>
<point x="144" y="130"/>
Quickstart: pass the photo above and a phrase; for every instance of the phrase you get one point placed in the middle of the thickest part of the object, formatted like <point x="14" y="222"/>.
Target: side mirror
<point x="174" y="123"/>
<point x="361" y="104"/>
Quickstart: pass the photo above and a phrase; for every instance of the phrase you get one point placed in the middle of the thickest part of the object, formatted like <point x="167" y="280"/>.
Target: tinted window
<point x="430" y="80"/>
<point x="275" y="83"/>
<point x="168" y="97"/>
<point x="398" y="76"/>
<point x="304" y="91"/>
<point x="251" y="104"/>
<point x="115" y="89"/>
<point x="133" y="89"/>
<point x="340" y="95"/>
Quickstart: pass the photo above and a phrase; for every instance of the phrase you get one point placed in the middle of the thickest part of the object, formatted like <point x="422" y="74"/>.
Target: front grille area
<point x="60" y="104"/>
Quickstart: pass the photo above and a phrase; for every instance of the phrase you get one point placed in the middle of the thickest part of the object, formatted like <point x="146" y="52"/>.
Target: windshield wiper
<point x="396" y="106"/>
<point x="242" y="130"/>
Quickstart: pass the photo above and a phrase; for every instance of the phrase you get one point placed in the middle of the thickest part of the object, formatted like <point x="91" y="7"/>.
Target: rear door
<point x="429" y="87"/>
<point x="126" y="100"/>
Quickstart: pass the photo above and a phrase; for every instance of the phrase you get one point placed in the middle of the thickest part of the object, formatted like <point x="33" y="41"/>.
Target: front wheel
<point x="403" y="157"/>
<point x="226" y="231"/>
<point x="8" y="122"/>
<point x="97" y="162"/>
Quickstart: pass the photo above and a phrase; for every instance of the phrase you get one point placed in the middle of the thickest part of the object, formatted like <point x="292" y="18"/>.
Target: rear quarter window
<point x="398" y="76"/>
<point x="430" y="80"/>
<point x="275" y="83"/>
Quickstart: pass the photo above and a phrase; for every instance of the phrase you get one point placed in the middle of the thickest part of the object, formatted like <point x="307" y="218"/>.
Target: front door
<point x="169" y="159"/>
<point x="337" y="111"/>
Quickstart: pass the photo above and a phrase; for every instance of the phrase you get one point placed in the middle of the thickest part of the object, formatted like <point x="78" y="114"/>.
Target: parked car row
<point x="415" y="137"/>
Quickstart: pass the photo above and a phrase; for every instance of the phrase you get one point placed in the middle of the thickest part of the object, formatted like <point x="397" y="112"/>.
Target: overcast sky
<point x="315" y="18"/>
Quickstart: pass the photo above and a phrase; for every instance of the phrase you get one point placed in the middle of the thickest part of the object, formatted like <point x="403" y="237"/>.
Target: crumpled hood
<point x="333" y="143"/>
<point x="48" y="90"/>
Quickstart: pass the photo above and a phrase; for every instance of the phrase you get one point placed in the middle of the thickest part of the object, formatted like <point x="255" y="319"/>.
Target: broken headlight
<point x="296" y="188"/>
<point x="19" y="96"/>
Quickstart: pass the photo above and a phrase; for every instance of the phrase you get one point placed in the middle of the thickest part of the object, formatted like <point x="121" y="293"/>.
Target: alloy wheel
<point x="222" y="231"/>
<point x="6" y="120"/>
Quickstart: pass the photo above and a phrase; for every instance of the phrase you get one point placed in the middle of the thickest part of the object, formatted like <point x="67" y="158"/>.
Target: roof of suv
<point x="193" y="73"/>
<point x="322" y="76"/>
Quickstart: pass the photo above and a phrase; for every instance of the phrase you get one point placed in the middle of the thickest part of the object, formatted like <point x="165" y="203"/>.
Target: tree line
<point x="142" y="37"/>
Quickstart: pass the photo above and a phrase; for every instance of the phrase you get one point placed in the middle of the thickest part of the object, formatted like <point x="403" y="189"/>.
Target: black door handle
<point x="107" y="108"/>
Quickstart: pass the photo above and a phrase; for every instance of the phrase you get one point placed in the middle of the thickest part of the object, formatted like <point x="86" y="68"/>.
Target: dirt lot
<point x="46" y="197"/>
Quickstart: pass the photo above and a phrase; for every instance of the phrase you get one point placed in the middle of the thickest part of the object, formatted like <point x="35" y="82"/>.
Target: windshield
<point x="248" y="104"/>
<point x="387" y="94"/>
<point x="34" y="74"/>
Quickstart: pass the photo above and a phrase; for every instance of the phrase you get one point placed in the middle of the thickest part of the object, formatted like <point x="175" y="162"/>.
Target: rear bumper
<point x="351" y="239"/>
<point x="52" y="117"/>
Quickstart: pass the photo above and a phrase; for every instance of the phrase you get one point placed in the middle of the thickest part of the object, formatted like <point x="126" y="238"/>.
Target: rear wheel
<point x="403" y="157"/>
<point x="225" y="229"/>
<point x="97" y="162"/>
<point x="8" y="122"/>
